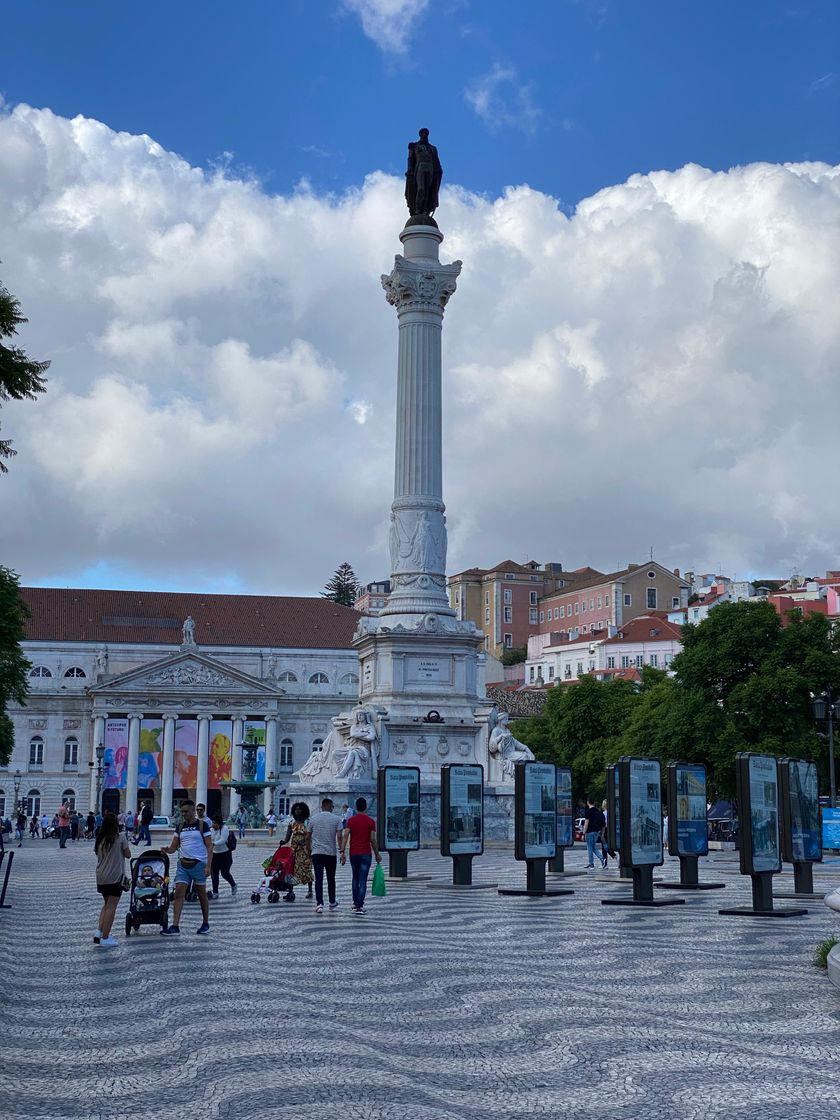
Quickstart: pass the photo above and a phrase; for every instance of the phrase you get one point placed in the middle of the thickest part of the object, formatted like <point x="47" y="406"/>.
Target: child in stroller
<point x="278" y="874"/>
<point x="149" y="901"/>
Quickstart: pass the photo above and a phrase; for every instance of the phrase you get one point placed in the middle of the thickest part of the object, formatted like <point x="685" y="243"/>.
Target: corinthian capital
<point x="418" y="286"/>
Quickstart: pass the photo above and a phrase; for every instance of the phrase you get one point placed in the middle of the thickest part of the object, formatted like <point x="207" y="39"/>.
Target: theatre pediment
<point x="187" y="670"/>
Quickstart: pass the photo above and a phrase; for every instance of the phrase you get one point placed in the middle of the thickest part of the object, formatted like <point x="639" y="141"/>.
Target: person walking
<point x="592" y="830"/>
<point x="128" y="822"/>
<point x="325" y="832"/>
<point x="63" y="825"/>
<point x="34" y="828"/>
<point x="241" y="822"/>
<point x="359" y="836"/>
<point x="194" y="844"/>
<point x="146" y="814"/>
<point x="45" y="826"/>
<point x="222" y="857"/>
<point x="111" y="850"/>
<point x="20" y="827"/>
<point x="90" y="825"/>
<point x="271" y="821"/>
<point x="74" y="826"/>
<point x="299" y="840"/>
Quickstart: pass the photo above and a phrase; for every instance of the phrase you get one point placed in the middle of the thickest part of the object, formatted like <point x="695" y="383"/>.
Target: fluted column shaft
<point x="131" y="781"/>
<point x="167" y="778"/>
<point x="203" y="759"/>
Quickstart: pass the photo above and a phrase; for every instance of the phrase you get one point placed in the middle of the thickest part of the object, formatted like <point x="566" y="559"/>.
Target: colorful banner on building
<point x="218" y="766"/>
<point x="186" y="754"/>
<point x="254" y="734"/>
<point x="151" y="754"/>
<point x="115" y="760"/>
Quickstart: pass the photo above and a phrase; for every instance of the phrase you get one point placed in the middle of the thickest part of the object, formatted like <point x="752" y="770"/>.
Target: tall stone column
<point x="419" y="288"/>
<point x="98" y="737"/>
<point x="272" y="764"/>
<point x="167" y="778"/>
<point x="133" y="761"/>
<point x="236" y="763"/>
<point x="203" y="759"/>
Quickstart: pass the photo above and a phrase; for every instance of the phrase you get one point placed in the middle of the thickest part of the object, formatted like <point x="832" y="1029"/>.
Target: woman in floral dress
<point x="298" y="838"/>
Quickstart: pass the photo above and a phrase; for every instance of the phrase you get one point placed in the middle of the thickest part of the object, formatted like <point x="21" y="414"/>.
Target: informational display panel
<point x="758" y="813"/>
<point x="535" y="807"/>
<point x="398" y="809"/>
<point x="800" y="802"/>
<point x="565" y="808"/>
<point x="688" y="827"/>
<point x="613" y="810"/>
<point x="462" y="810"/>
<point x="640" y="799"/>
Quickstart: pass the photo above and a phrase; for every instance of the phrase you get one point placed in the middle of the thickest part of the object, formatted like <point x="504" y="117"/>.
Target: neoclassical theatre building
<point x="170" y="685"/>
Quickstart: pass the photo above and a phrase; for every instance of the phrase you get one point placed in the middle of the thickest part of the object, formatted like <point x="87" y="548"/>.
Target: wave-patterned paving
<point x="437" y="1005"/>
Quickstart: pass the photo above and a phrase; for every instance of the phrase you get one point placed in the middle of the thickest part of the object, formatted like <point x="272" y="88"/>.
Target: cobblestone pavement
<point x="436" y="1005"/>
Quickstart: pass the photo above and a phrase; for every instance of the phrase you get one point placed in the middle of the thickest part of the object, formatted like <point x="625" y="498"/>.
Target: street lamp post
<point x="826" y="709"/>
<point x="100" y="755"/>
<point x="16" y="782"/>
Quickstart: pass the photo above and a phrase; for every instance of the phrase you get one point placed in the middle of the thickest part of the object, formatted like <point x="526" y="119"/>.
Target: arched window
<point x="36" y="751"/>
<point x="287" y="676"/>
<point x="287" y="750"/>
<point x="33" y="803"/>
<point x="68" y="798"/>
<point x="71" y="752"/>
<point x="349" y="678"/>
<point x="317" y="744"/>
<point x="75" y="671"/>
<point x="319" y="678"/>
<point x="40" y="671"/>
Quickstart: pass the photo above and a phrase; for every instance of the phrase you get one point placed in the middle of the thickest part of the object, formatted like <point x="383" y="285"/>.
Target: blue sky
<point x="565" y="95"/>
<point x="640" y="353"/>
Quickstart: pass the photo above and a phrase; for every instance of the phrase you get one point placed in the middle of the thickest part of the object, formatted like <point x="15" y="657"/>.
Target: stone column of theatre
<point x="419" y="287"/>
<point x="131" y="783"/>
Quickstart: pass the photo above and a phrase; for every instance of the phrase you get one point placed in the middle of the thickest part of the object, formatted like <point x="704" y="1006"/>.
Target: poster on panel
<point x="219" y="760"/>
<point x="465" y="823"/>
<point x="186" y="754"/>
<point x="764" y="813"/>
<point x="692" y="828"/>
<point x="151" y="754"/>
<point x="402" y="808"/>
<point x="540" y="820"/>
<point x="253" y="733"/>
<point x="565" y="808"/>
<point x="805" y="838"/>
<point x="616" y="785"/>
<point x="645" y="800"/>
<point x="115" y="759"/>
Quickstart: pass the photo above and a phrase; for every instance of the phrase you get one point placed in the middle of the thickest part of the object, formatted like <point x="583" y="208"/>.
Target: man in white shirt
<point x="193" y="838"/>
<point x="324" y="831"/>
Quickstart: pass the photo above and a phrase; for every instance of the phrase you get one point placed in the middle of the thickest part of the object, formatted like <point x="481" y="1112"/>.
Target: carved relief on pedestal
<point x="443" y="746"/>
<point x="422" y="746"/>
<point x="417" y="540"/>
<point x="37" y="724"/>
<point x="398" y="746"/>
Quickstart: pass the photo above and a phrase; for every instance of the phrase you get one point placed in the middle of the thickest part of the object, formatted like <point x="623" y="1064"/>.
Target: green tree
<point x="14" y="668"/>
<point x="343" y="587"/>
<point x="516" y="655"/>
<point x="20" y="377"/>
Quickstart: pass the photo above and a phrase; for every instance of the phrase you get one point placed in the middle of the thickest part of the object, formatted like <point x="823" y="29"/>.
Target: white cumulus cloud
<point x="389" y="23"/>
<point x="501" y="101"/>
<point x="657" y="369"/>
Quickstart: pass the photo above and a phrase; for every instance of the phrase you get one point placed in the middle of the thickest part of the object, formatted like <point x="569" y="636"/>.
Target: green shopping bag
<point x="378" y="890"/>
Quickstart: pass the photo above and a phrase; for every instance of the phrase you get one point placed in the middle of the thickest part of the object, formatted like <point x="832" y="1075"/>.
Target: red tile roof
<point x="639" y="630"/>
<point x="155" y="617"/>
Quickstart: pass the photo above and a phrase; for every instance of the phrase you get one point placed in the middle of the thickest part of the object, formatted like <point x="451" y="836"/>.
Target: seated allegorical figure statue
<point x="506" y="748"/>
<point x="349" y="751"/>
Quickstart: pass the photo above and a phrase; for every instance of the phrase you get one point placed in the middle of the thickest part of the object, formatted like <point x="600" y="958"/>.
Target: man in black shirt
<point x="592" y="830"/>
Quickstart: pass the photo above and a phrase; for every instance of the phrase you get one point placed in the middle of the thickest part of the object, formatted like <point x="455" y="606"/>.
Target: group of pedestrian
<point x="322" y="841"/>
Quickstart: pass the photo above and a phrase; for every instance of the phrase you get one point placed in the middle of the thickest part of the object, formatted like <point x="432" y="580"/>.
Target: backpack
<point x="231" y="840"/>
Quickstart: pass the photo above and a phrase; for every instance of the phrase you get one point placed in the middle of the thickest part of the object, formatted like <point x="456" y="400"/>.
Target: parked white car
<point x="161" y="824"/>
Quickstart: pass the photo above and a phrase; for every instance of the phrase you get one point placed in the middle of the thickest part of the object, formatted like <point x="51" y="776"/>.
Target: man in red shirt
<point x="63" y="825"/>
<point x="360" y="834"/>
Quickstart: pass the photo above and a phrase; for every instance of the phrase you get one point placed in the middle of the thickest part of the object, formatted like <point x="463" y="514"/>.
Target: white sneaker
<point x="109" y="942"/>
<point x="333" y="906"/>
<point x="97" y="936"/>
<point x="319" y="909"/>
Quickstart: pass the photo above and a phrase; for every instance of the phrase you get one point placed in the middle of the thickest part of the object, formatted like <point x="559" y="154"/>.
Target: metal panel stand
<point x="557" y="866"/>
<point x="534" y="882"/>
<point x="462" y="877"/>
<point x="762" y="895"/>
<point x="803" y="883"/>
<point x="689" y="878"/>
<point x="3" y="904"/>
<point x="398" y="865"/>
<point x="642" y="892"/>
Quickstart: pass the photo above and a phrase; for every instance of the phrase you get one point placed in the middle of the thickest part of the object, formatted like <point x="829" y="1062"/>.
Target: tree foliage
<point x="343" y="588"/>
<point x="14" y="668"/>
<point x="743" y="682"/>
<point x="20" y="377"/>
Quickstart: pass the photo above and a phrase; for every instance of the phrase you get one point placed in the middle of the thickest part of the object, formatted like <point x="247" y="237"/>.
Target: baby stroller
<point x="149" y="898"/>
<point x="278" y="874"/>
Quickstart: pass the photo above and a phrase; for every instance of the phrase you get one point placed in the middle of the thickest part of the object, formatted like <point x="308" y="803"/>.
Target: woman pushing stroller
<point x="299" y="839"/>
